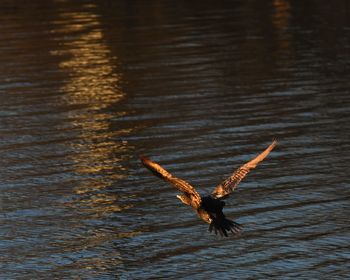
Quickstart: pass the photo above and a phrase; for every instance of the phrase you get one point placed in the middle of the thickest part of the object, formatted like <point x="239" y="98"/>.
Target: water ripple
<point x="85" y="88"/>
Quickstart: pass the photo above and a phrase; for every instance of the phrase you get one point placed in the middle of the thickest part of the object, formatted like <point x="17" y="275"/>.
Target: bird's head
<point x="204" y="215"/>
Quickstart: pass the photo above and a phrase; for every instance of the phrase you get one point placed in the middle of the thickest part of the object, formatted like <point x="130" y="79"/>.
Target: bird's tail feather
<point x="223" y="226"/>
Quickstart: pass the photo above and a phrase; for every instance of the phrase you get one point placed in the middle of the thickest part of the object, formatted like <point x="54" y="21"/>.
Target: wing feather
<point x="230" y="184"/>
<point x="180" y="184"/>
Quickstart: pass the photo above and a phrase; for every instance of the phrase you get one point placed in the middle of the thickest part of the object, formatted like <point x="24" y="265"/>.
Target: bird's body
<point x="209" y="208"/>
<point x="212" y="205"/>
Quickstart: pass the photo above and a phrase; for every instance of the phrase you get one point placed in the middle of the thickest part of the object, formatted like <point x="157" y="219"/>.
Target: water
<point x="200" y="86"/>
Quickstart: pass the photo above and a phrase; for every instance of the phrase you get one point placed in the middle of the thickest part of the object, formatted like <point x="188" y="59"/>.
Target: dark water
<point x="202" y="87"/>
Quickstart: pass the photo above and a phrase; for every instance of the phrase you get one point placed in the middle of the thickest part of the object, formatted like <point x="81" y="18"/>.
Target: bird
<point x="210" y="207"/>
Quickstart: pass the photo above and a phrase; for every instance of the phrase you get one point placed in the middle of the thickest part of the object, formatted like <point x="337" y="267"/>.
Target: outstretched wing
<point x="180" y="184"/>
<point x="231" y="183"/>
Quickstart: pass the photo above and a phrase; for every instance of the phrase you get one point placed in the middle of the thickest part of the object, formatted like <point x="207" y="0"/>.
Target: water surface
<point x="200" y="86"/>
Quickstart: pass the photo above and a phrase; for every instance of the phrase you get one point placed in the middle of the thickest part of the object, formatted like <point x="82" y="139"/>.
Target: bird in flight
<point x="209" y="208"/>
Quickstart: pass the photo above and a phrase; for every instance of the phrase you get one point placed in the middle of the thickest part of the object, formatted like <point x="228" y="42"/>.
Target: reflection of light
<point x="280" y="21"/>
<point x="93" y="81"/>
<point x="281" y="16"/>
<point x="91" y="89"/>
<point x="100" y="204"/>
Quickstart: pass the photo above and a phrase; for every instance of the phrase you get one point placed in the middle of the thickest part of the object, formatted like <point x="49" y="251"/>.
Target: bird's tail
<point x="223" y="226"/>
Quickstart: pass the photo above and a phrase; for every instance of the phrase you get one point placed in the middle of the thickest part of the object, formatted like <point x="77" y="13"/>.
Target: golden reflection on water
<point x="280" y="20"/>
<point x="92" y="88"/>
<point x="282" y="13"/>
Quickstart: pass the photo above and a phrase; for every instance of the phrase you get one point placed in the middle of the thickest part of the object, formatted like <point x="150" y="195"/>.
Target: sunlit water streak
<point x="87" y="87"/>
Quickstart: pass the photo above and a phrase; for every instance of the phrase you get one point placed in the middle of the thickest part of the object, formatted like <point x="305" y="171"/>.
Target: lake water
<point x="201" y="87"/>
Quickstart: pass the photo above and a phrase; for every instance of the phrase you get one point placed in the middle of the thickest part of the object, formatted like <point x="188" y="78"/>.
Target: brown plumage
<point x="209" y="208"/>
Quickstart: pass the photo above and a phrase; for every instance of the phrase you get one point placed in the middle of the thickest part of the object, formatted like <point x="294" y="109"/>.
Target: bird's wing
<point x="231" y="183"/>
<point x="180" y="184"/>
